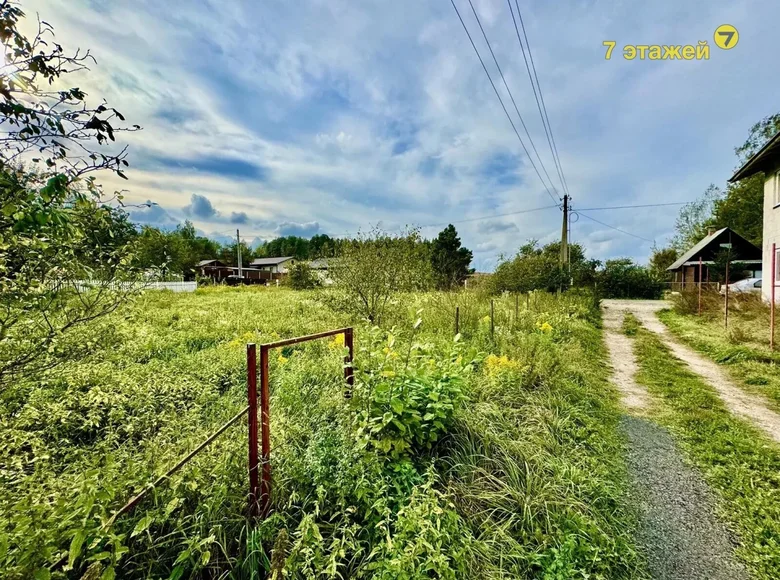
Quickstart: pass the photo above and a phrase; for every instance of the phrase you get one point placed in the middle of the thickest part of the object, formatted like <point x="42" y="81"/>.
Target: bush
<point x="622" y="278"/>
<point x="300" y="277"/>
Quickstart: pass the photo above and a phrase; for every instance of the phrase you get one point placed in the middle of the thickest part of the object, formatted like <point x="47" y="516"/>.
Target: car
<point x="746" y="285"/>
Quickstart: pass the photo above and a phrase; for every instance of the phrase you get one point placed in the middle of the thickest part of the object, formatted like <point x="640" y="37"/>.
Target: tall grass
<point x="516" y="472"/>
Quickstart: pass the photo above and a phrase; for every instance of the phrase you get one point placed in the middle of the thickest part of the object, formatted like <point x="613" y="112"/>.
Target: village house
<point x="273" y="265"/>
<point x="767" y="161"/>
<point x="686" y="269"/>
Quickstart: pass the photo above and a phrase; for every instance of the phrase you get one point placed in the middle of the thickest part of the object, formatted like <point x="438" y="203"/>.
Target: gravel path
<point x="678" y="530"/>
<point x="746" y="405"/>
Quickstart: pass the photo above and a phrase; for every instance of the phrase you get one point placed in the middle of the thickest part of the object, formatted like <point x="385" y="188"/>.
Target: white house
<point x="767" y="161"/>
<point x="274" y="265"/>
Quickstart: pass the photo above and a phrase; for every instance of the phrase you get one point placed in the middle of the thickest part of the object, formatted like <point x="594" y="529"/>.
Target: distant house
<point x="767" y="161"/>
<point x="273" y="265"/>
<point x="213" y="269"/>
<point x="685" y="271"/>
<point x="319" y="268"/>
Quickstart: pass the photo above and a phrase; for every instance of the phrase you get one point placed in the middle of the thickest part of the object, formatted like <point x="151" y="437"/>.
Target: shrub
<point x="300" y="277"/>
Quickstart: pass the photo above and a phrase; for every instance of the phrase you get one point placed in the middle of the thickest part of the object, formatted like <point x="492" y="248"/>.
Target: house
<point x="213" y="269"/>
<point x="767" y="161"/>
<point x="319" y="268"/>
<point x="685" y="271"/>
<point x="273" y="265"/>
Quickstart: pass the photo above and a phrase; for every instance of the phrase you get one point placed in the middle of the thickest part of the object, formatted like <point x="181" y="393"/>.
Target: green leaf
<point x="42" y="574"/>
<point x="205" y="557"/>
<point x="108" y="574"/>
<point x="176" y="573"/>
<point x="75" y="547"/>
<point x="142" y="525"/>
<point x="397" y="405"/>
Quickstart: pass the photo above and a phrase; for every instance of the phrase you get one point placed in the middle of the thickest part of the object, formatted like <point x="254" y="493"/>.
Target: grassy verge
<point x="742" y="349"/>
<point x="738" y="463"/>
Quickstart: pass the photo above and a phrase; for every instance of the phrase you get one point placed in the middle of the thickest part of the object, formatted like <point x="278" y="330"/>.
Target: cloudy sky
<point x="327" y="116"/>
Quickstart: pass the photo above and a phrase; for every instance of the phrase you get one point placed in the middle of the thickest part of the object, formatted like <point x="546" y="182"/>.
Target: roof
<point x="209" y="263"/>
<point x="269" y="261"/>
<point x="706" y="248"/>
<point x="766" y="159"/>
<point x="319" y="264"/>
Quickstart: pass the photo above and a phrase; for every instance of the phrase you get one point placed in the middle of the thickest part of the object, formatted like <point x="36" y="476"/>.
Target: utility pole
<point x="565" y="232"/>
<point x="238" y="250"/>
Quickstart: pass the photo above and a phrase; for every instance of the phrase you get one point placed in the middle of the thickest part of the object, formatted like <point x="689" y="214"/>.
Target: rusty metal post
<point x="492" y="324"/>
<point x="772" y="297"/>
<point x="726" y="317"/>
<point x="251" y="379"/>
<point x="265" y="433"/>
<point x="700" y="281"/>
<point x="349" y="373"/>
<point x="457" y="320"/>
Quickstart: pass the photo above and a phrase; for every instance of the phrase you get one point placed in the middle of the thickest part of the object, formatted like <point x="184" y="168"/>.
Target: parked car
<point x="746" y="285"/>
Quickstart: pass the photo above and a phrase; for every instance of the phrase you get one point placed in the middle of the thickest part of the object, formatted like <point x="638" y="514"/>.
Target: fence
<point x="256" y="490"/>
<point x="176" y="286"/>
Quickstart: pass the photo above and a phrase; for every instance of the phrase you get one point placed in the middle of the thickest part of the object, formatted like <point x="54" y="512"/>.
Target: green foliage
<point x="758" y="135"/>
<point x="411" y="397"/>
<point x="320" y="245"/>
<point x="660" y="260"/>
<point x="622" y="278"/>
<point x="535" y="268"/>
<point x="450" y="261"/>
<point x="301" y="277"/>
<point x="374" y="268"/>
<point x="178" y="251"/>
<point x="695" y="219"/>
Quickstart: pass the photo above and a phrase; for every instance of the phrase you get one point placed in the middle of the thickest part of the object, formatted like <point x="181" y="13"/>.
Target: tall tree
<point x="449" y="260"/>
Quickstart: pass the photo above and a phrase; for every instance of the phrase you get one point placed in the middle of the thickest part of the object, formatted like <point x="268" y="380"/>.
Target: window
<point x="777" y="265"/>
<point x="777" y="188"/>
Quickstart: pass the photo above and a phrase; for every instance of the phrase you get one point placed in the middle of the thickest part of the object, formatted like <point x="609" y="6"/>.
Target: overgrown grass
<point x="742" y="348"/>
<point x="495" y="456"/>
<point x="737" y="461"/>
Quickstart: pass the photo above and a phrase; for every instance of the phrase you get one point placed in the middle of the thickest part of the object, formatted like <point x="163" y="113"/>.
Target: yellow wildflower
<point x="545" y="327"/>
<point x="337" y="342"/>
<point x="282" y="359"/>
<point x="388" y="374"/>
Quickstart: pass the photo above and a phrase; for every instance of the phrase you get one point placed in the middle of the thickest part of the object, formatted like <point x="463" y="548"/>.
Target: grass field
<point x="481" y="457"/>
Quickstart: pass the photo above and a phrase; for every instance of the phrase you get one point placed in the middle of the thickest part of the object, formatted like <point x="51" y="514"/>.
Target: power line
<point x="541" y="97"/>
<point x="487" y="217"/>
<point x="613" y="227"/>
<point x="556" y="161"/>
<point x="634" y="206"/>
<point x="495" y="90"/>
<point x="512" y="98"/>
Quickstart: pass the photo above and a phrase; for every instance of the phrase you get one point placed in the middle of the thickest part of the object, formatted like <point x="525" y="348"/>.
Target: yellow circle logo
<point x="726" y="36"/>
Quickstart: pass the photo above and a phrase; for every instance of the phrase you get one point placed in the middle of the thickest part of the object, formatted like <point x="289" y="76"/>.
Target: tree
<point x="373" y="268"/>
<point x="56" y="227"/>
<point x="539" y="268"/>
<point x="695" y="219"/>
<point x="450" y="261"/>
<point x="758" y="135"/>
<point x="661" y="260"/>
<point x="301" y="277"/>
<point x="742" y="209"/>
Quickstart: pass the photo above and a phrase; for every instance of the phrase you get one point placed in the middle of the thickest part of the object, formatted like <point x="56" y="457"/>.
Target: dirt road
<point x="745" y="405"/>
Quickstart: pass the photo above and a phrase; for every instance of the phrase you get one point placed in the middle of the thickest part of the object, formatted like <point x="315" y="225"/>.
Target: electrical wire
<point x="511" y="97"/>
<point x="541" y="97"/>
<point x="635" y="206"/>
<point x="495" y="90"/>
<point x="612" y="227"/>
<point x="556" y="161"/>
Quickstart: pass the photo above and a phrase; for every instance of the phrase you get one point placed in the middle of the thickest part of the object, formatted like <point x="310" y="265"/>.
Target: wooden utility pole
<point x="238" y="250"/>
<point x="700" y="271"/>
<point x="565" y="232"/>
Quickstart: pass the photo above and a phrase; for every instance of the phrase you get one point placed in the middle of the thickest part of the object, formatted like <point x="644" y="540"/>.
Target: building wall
<point x="771" y="233"/>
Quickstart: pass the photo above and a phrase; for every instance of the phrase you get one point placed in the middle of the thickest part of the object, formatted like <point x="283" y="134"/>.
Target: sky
<point x="331" y="116"/>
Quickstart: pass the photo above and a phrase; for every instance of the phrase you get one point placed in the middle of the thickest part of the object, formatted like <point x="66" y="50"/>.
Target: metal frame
<point x="260" y="479"/>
